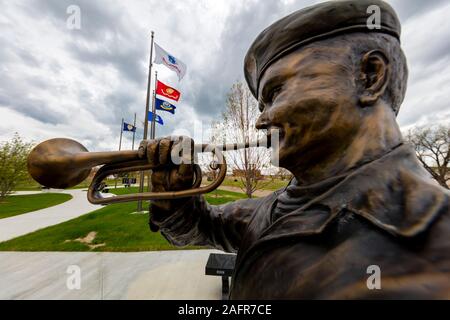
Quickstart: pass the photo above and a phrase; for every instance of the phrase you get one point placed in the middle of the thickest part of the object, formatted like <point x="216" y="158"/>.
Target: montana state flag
<point x="166" y="91"/>
<point x="164" y="106"/>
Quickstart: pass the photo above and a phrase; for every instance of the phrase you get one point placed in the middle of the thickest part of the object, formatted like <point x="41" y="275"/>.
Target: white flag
<point x="165" y="58"/>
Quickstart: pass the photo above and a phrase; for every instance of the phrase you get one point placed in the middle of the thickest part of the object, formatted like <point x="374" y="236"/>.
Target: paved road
<point x="140" y="275"/>
<point x="25" y="223"/>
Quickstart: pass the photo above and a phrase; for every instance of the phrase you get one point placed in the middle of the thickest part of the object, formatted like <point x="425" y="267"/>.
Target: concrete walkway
<point x="140" y="275"/>
<point x="25" y="193"/>
<point x="16" y="226"/>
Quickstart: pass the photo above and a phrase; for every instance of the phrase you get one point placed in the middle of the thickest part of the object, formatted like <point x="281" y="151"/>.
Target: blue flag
<point x="128" y="127"/>
<point x="164" y="105"/>
<point x="157" y="118"/>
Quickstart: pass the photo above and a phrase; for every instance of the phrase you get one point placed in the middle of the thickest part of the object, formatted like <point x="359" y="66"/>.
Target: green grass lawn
<point x="29" y="185"/>
<point x="15" y="205"/>
<point x="34" y="186"/>
<point x="116" y="230"/>
<point x="268" y="184"/>
<point x="121" y="190"/>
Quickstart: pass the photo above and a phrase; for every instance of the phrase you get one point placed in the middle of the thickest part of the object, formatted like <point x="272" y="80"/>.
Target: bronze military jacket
<point x="387" y="213"/>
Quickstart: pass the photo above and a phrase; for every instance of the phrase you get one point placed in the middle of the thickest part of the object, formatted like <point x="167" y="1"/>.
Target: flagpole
<point x="120" y="147"/>
<point x="153" y="128"/>
<point x="147" y="107"/>
<point x="134" y="132"/>
<point x="121" y="132"/>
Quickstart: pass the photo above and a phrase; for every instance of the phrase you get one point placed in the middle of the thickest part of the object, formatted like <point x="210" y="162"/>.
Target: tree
<point x="13" y="164"/>
<point x="432" y="145"/>
<point x="283" y="174"/>
<point x="239" y="119"/>
<point x="207" y="159"/>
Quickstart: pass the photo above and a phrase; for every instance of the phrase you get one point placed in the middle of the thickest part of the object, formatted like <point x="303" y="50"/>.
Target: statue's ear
<point x="375" y="73"/>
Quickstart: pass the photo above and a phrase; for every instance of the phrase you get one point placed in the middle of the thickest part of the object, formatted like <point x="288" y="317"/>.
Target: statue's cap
<point x="315" y="23"/>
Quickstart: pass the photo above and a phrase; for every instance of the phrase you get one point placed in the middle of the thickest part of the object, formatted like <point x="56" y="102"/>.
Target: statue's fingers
<point x="152" y="152"/>
<point x="185" y="171"/>
<point x="164" y="151"/>
<point x="158" y="179"/>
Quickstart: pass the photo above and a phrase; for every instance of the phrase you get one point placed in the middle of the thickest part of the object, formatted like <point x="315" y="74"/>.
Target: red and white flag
<point x="166" y="91"/>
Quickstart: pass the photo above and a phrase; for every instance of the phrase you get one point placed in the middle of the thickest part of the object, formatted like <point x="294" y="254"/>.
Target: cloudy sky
<point x="58" y="82"/>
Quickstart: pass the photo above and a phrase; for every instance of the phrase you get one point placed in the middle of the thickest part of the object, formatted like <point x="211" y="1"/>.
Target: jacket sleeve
<point x="199" y="223"/>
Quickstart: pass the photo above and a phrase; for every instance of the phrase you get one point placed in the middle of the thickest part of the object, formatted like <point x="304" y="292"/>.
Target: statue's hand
<point x="174" y="167"/>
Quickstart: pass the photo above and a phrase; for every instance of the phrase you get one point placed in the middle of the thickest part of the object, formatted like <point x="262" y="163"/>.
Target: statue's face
<point x="311" y="97"/>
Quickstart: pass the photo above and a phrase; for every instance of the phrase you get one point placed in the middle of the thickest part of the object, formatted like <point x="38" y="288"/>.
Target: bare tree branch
<point x="432" y="147"/>
<point x="238" y="125"/>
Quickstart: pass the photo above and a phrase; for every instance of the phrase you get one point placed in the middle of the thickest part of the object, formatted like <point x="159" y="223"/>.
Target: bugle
<point x="63" y="163"/>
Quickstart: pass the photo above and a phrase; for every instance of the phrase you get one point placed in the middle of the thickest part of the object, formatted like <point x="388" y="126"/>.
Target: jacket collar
<point x="393" y="192"/>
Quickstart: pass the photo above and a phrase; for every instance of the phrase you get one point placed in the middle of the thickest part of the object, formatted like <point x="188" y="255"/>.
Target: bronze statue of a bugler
<point x="332" y="87"/>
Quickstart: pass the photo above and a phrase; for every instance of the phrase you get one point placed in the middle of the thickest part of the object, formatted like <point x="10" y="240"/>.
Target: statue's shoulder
<point x="423" y="201"/>
<point x="397" y="194"/>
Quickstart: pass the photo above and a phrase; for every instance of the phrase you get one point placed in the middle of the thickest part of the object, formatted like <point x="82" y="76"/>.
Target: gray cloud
<point x="32" y="107"/>
<point x="28" y="58"/>
<point x="226" y="66"/>
<point x="413" y="8"/>
<point x="99" y="18"/>
<point x="118" y="103"/>
<point x="107" y="36"/>
<point x="127" y="62"/>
